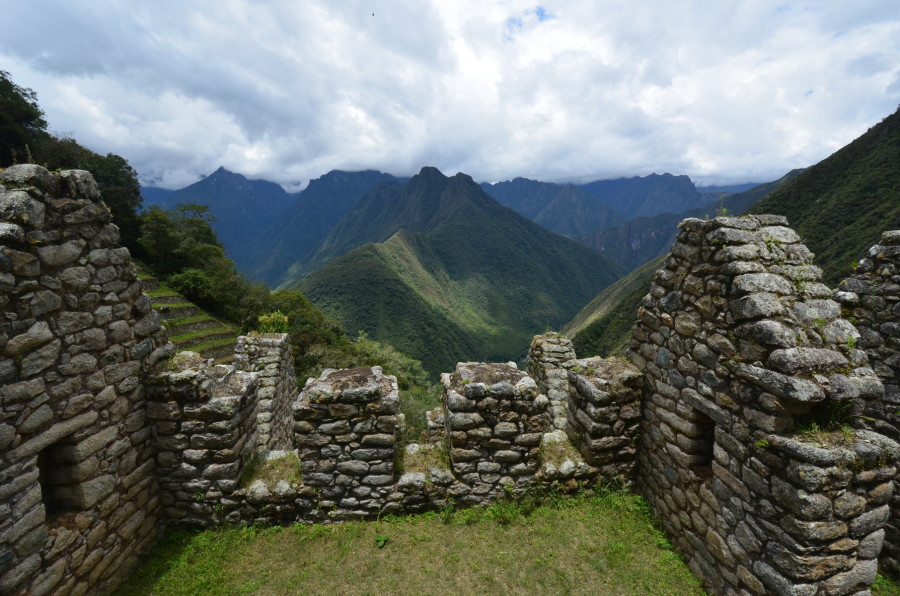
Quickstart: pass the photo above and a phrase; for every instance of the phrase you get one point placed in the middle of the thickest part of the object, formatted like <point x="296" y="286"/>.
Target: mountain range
<point x="276" y="237"/>
<point x="240" y="206"/>
<point x="447" y="273"/>
<point x="433" y="265"/>
<point x="636" y="241"/>
<point x="447" y="269"/>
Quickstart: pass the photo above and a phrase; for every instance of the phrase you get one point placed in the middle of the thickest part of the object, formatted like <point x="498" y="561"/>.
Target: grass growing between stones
<point x="589" y="544"/>
<point x="885" y="586"/>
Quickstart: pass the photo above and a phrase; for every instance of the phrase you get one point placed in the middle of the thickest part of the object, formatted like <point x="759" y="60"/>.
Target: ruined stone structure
<point x="495" y="421"/>
<point x="348" y="427"/>
<point x="546" y="364"/>
<point x="270" y="357"/>
<point x="871" y="299"/>
<point x="750" y="416"/>
<point x="752" y="383"/>
<point x="78" y="493"/>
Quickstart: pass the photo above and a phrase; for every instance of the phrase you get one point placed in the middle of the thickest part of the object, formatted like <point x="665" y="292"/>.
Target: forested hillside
<point x="449" y="274"/>
<point x="841" y="205"/>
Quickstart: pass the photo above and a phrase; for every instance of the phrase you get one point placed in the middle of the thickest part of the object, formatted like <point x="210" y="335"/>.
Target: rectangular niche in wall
<point x="699" y="444"/>
<point x="69" y="483"/>
<point x="51" y="473"/>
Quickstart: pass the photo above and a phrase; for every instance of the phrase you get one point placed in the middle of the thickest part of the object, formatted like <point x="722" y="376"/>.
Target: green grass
<point x="213" y="344"/>
<point x="172" y="305"/>
<point x="885" y="586"/>
<point x="187" y="320"/>
<point x="592" y="544"/>
<point x="203" y="332"/>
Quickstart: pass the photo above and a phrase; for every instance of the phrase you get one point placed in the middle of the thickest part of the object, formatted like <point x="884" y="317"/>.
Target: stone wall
<point x="604" y="414"/>
<point x="546" y="358"/>
<point x="270" y="356"/>
<point x="495" y="419"/>
<point x="599" y="401"/>
<point x="204" y="419"/>
<point x="347" y="427"/>
<point x="749" y="451"/>
<point x="78" y="500"/>
<point x="871" y="299"/>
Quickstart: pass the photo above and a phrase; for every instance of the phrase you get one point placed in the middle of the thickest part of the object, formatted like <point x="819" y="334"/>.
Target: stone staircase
<point x="190" y="328"/>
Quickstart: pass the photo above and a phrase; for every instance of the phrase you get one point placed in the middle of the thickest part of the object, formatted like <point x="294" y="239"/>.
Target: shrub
<point x="273" y="322"/>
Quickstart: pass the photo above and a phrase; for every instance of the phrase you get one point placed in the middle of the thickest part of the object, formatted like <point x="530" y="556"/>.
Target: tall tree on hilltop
<point x="24" y="138"/>
<point x="21" y="121"/>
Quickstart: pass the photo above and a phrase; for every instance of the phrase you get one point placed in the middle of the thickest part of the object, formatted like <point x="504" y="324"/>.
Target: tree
<point x="121" y="191"/>
<point x="21" y="121"/>
<point x="24" y="138"/>
<point x="159" y="241"/>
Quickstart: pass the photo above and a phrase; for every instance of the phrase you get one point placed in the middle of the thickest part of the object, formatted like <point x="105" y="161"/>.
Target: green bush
<point x="273" y="322"/>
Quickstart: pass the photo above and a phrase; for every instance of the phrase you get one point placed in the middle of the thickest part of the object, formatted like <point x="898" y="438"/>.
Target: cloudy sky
<point x="286" y="90"/>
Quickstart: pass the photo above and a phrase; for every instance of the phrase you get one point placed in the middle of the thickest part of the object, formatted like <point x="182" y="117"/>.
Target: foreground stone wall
<point x="871" y="299"/>
<point x="604" y="415"/>
<point x="495" y="419"/>
<point x="547" y="356"/>
<point x="752" y="382"/>
<point x="204" y="419"/>
<point x="599" y="401"/>
<point x="270" y="356"/>
<point x="347" y="425"/>
<point x="78" y="499"/>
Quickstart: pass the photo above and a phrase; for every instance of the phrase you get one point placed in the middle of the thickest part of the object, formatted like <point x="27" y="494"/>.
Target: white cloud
<point x="560" y="90"/>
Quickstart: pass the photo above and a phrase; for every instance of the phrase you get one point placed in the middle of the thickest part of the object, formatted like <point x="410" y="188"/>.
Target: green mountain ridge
<point x="449" y="274"/>
<point x="638" y="240"/>
<point x="294" y="236"/>
<point x="839" y="206"/>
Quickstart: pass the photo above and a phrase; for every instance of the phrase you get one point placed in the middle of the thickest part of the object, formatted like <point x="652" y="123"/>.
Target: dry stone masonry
<point x="871" y="299"/>
<point x="78" y="494"/>
<point x="270" y="355"/>
<point x="495" y="419"/>
<point x="750" y="415"/>
<point x="751" y="453"/>
<point x="546" y="359"/>
<point x="604" y="414"/>
<point x="205" y="422"/>
<point x="348" y="425"/>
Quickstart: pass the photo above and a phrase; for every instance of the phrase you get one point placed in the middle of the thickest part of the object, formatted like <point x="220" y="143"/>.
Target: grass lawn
<point x="590" y="544"/>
